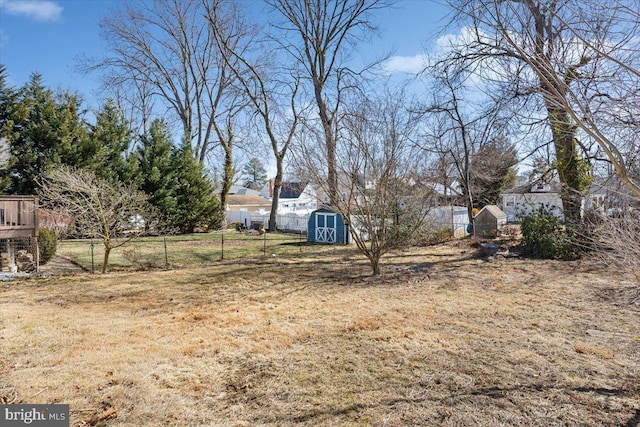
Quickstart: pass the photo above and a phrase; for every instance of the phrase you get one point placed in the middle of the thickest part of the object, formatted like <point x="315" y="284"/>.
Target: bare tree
<point x="616" y="240"/>
<point x="100" y="209"/>
<point x="381" y="195"/>
<point x="269" y="96"/>
<point x="134" y="97"/>
<point x="460" y="129"/>
<point x="580" y="60"/>
<point x="318" y="35"/>
<point x="167" y="48"/>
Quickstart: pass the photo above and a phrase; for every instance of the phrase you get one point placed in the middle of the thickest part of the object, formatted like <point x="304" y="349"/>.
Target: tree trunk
<point x="227" y="178"/>
<point x="573" y="178"/>
<point x="330" y="144"/>
<point x="107" y="251"/>
<point x="375" y="265"/>
<point x="277" y="183"/>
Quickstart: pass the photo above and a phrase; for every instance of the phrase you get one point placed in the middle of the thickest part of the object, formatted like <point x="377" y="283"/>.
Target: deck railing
<point x="18" y="216"/>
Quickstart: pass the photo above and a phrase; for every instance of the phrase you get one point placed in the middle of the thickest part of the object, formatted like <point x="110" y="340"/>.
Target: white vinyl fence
<point x="290" y="222"/>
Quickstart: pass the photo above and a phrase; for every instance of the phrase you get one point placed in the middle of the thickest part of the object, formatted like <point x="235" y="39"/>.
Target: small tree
<point x="380" y="194"/>
<point x="101" y="210"/>
<point x="616" y="240"/>
<point x="543" y="236"/>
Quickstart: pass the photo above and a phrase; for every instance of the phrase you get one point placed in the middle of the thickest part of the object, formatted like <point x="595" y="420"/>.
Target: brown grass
<point x="442" y="338"/>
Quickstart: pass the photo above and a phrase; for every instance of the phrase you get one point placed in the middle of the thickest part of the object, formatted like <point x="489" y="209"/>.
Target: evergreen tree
<point x="105" y="153"/>
<point x="46" y="131"/>
<point x="175" y="183"/>
<point x="255" y="174"/>
<point x="198" y="208"/>
<point x="153" y="171"/>
<point x="8" y="102"/>
<point x="492" y="171"/>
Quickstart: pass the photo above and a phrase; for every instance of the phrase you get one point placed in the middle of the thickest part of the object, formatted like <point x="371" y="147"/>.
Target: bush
<point x="544" y="236"/>
<point x="47" y="244"/>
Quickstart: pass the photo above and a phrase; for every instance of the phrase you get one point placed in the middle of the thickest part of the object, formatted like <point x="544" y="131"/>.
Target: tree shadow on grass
<point x="450" y="401"/>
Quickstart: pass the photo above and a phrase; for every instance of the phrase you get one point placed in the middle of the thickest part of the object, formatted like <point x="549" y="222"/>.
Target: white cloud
<point x="406" y="64"/>
<point x="40" y="10"/>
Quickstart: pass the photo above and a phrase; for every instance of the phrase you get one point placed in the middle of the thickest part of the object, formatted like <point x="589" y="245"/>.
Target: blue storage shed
<point x="327" y="226"/>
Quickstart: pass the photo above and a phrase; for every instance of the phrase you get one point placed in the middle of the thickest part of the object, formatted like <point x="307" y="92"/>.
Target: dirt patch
<point x="442" y="338"/>
<point x="61" y="266"/>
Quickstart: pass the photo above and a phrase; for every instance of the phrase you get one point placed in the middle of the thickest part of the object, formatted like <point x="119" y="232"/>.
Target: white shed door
<point x="326" y="227"/>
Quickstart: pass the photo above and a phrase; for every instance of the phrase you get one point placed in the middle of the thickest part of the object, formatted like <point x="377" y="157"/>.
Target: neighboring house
<point x="445" y="195"/>
<point x="525" y="199"/>
<point x="247" y="203"/>
<point x="296" y="197"/>
<point x="243" y="191"/>
<point x="247" y="209"/>
<point x="489" y="221"/>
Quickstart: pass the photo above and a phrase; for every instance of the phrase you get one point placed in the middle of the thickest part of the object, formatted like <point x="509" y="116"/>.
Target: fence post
<point x="93" y="268"/>
<point x="166" y="255"/>
<point x="264" y="246"/>
<point x="222" y="253"/>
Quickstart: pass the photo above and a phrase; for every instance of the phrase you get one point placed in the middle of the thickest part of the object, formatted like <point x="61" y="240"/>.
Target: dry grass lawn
<point x="442" y="338"/>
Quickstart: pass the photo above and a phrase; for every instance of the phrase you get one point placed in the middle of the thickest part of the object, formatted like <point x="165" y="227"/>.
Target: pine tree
<point x="107" y="148"/>
<point x="153" y="172"/>
<point x="492" y="171"/>
<point x="8" y="101"/>
<point x="47" y="131"/>
<point x="198" y="208"/>
<point x="255" y="174"/>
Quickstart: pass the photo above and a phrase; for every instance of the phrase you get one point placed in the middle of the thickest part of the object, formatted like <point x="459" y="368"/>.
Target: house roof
<point x="291" y="190"/>
<point x="243" y="200"/>
<point x="495" y="211"/>
<point x="552" y="187"/>
<point x="452" y="189"/>
<point x="243" y="191"/>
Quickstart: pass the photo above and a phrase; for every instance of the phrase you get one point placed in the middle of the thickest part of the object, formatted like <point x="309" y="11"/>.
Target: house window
<point x="510" y="202"/>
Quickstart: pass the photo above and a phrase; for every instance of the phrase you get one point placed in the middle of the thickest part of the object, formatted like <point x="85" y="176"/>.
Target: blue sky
<point x="47" y="36"/>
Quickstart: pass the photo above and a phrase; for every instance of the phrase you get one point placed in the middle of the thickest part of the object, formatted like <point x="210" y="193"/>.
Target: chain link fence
<point x="181" y="251"/>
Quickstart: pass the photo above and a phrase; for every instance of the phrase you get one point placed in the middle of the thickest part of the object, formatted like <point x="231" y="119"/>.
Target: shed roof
<point x="494" y="210"/>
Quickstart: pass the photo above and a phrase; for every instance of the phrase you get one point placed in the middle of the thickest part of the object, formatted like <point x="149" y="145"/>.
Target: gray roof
<point x="291" y="190"/>
<point x="493" y="210"/>
<point x="243" y="191"/>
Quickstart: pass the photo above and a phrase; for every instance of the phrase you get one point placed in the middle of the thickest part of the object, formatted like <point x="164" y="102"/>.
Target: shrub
<point x="47" y="244"/>
<point x="544" y="236"/>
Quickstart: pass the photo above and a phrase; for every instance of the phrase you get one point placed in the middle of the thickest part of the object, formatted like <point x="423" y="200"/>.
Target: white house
<point x="525" y="199"/>
<point x="294" y="196"/>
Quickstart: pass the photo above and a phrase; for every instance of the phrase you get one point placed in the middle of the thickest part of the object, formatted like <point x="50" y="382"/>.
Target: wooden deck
<point x="18" y="216"/>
